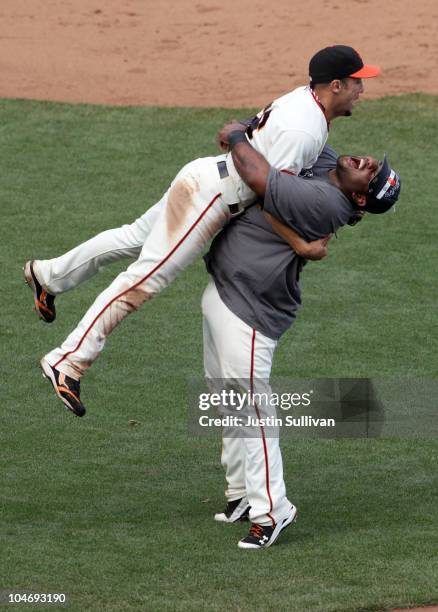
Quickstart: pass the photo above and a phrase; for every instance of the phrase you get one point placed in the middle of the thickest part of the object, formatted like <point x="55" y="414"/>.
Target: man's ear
<point x="335" y="86"/>
<point x="359" y="199"/>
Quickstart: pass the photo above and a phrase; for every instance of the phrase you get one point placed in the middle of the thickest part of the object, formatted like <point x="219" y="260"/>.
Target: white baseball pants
<point x="177" y="229"/>
<point x="84" y="261"/>
<point x="253" y="465"/>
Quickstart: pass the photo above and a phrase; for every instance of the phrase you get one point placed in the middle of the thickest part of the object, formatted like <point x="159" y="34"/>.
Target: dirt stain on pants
<point x="179" y="203"/>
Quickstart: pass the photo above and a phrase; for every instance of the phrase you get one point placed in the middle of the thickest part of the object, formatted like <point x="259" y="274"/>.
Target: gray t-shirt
<point x="255" y="271"/>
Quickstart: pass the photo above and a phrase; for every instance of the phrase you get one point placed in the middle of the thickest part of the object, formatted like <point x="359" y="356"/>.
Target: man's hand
<point x="222" y="135"/>
<point x="315" y="250"/>
<point x="250" y="165"/>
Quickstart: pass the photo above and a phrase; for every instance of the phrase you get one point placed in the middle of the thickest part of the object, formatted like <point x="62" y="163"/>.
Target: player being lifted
<point x="290" y="133"/>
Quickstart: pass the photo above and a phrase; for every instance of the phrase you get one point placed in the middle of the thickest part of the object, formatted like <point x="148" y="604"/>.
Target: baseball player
<point x="253" y="297"/>
<point x="205" y="194"/>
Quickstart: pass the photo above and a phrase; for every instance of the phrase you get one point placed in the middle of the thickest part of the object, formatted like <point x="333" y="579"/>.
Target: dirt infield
<point x="205" y="52"/>
<point x="427" y="609"/>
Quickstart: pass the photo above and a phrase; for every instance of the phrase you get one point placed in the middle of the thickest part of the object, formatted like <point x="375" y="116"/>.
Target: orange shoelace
<point x="64" y="389"/>
<point x="257" y="531"/>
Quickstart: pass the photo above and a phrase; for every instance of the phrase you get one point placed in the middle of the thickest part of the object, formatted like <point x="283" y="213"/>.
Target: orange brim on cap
<point x="366" y="72"/>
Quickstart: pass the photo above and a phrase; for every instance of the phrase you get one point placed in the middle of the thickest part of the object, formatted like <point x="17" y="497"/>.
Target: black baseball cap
<point x="383" y="190"/>
<point x="339" y="62"/>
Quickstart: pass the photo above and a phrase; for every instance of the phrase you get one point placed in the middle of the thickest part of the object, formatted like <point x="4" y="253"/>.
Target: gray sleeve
<point x="313" y="208"/>
<point x="326" y="161"/>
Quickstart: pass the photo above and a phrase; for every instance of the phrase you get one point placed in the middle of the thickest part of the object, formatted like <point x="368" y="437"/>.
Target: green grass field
<point x="120" y="517"/>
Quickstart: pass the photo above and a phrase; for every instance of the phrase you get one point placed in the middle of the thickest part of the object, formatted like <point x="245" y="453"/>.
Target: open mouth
<point x="357" y="162"/>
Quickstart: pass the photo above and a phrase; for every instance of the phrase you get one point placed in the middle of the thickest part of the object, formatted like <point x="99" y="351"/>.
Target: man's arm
<point x="315" y="250"/>
<point x="252" y="167"/>
<point x="254" y="170"/>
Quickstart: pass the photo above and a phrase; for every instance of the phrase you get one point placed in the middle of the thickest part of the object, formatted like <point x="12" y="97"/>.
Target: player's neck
<point x="337" y="182"/>
<point x="324" y="99"/>
<point x="334" y="179"/>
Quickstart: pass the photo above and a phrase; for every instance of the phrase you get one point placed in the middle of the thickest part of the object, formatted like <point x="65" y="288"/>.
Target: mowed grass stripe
<point x="120" y="517"/>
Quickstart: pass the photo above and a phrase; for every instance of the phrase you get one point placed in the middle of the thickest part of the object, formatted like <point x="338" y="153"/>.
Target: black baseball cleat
<point x="236" y="510"/>
<point x="44" y="302"/>
<point x="263" y="536"/>
<point x="66" y="388"/>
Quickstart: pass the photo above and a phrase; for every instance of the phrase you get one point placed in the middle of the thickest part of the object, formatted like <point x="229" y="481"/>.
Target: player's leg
<point x="246" y="355"/>
<point x="192" y="213"/>
<point x="69" y="270"/>
<point x="271" y="511"/>
<point x="51" y="277"/>
<point x="233" y="451"/>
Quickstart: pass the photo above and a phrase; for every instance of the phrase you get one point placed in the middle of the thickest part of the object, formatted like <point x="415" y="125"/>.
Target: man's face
<point x="355" y="173"/>
<point x="349" y="93"/>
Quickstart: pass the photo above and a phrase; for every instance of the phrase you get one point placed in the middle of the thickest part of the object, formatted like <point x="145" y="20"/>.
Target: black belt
<point x="223" y="173"/>
<point x="223" y="170"/>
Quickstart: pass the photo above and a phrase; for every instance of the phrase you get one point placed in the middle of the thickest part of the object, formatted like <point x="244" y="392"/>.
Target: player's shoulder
<point x="299" y="93"/>
<point x="308" y="182"/>
<point x="326" y="161"/>
<point x="297" y="110"/>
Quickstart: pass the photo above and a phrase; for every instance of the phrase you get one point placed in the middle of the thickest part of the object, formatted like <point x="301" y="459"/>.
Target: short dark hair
<point x="312" y="85"/>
